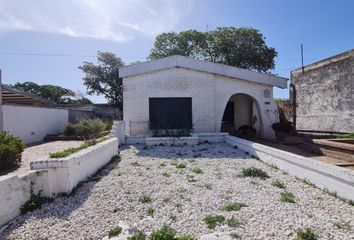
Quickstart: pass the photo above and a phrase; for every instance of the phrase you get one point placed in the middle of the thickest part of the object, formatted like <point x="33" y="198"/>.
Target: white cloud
<point x="113" y="20"/>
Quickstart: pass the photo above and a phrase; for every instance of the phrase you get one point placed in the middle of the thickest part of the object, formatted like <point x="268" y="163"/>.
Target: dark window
<point x="170" y="113"/>
<point x="229" y="117"/>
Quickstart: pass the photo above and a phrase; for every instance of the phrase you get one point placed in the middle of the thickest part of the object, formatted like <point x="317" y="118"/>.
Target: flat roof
<point x="203" y="66"/>
<point x="15" y="96"/>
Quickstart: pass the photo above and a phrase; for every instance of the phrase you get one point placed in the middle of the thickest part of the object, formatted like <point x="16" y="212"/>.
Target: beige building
<point x="207" y="96"/>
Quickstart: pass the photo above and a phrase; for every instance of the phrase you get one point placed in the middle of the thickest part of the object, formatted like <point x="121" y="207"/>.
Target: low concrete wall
<point x="214" y="137"/>
<point x="118" y="131"/>
<point x="16" y="190"/>
<point x="65" y="173"/>
<point x="32" y="124"/>
<point x="52" y="176"/>
<point x="322" y="175"/>
<point x="150" y="141"/>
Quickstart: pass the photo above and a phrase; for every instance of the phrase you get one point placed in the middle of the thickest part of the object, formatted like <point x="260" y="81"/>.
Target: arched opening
<point x="242" y="117"/>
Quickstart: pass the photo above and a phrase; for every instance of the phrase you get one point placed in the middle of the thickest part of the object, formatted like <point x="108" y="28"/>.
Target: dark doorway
<point x="170" y="113"/>
<point x="228" y="120"/>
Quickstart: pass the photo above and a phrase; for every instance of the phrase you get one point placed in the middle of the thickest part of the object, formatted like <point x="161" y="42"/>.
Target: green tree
<point x="239" y="47"/>
<point x="103" y="77"/>
<point x="53" y="93"/>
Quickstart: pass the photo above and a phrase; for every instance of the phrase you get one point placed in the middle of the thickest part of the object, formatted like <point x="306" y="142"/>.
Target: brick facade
<point x="209" y="92"/>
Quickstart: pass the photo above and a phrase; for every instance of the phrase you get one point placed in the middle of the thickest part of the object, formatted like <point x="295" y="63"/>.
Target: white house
<point x="210" y="97"/>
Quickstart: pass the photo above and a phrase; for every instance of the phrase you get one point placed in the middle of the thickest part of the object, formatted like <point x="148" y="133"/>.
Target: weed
<point x="274" y="167"/>
<point x="145" y="199"/>
<point x="165" y="174"/>
<point x="181" y="165"/>
<point x="234" y="235"/>
<point x="197" y="170"/>
<point x="114" y="232"/>
<point x="165" y="233"/>
<point x="278" y="184"/>
<point x="209" y="186"/>
<point x="151" y="211"/>
<point x="254" y="182"/>
<point x="334" y="194"/>
<point x="181" y="190"/>
<point x="192" y="161"/>
<point x="287" y="197"/>
<point x="173" y="217"/>
<point x="232" y="222"/>
<point x="35" y="201"/>
<point x="306" y="234"/>
<point x="255" y="173"/>
<point x="186" y="237"/>
<point x="190" y="178"/>
<point x="69" y="151"/>
<point x="162" y="165"/>
<point x="213" y="221"/>
<point x="234" y="207"/>
<point x="139" y="235"/>
<point x="179" y="207"/>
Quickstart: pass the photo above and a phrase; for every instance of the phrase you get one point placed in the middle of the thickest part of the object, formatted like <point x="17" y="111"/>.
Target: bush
<point x="11" y="149"/>
<point x="86" y="127"/>
<point x="90" y="126"/>
<point x="69" y="129"/>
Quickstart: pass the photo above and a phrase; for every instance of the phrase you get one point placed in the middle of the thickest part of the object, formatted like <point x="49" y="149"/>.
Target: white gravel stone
<point x="100" y="206"/>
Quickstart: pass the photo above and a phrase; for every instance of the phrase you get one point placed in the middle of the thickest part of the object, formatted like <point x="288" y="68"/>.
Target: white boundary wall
<point x="322" y="175"/>
<point x="65" y="173"/>
<point x="52" y="176"/>
<point x="16" y="190"/>
<point x="32" y="124"/>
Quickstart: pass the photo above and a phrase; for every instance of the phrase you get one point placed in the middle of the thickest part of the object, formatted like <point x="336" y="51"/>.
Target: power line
<point x="57" y="55"/>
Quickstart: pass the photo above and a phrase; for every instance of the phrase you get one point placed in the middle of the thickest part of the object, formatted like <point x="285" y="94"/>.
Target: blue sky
<point x="80" y="28"/>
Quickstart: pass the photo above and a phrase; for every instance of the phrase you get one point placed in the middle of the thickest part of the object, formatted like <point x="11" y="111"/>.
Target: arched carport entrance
<point x="242" y="116"/>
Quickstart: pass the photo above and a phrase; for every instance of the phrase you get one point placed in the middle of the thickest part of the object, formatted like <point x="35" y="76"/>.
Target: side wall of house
<point x="32" y="124"/>
<point x="325" y="95"/>
<point x="209" y="92"/>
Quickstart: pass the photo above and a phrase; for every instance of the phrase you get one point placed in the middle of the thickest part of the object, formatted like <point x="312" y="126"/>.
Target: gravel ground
<point x="183" y="203"/>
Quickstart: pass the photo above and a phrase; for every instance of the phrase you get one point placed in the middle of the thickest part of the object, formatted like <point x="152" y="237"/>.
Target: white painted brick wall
<point x="209" y="92"/>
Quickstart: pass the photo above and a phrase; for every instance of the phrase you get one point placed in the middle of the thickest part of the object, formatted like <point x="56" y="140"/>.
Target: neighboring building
<point x="325" y="94"/>
<point x="207" y="96"/>
<point x="29" y="117"/>
<point x="92" y="110"/>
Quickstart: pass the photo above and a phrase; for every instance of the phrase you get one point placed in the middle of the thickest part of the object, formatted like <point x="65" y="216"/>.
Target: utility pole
<point x="302" y="59"/>
<point x="1" y="114"/>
